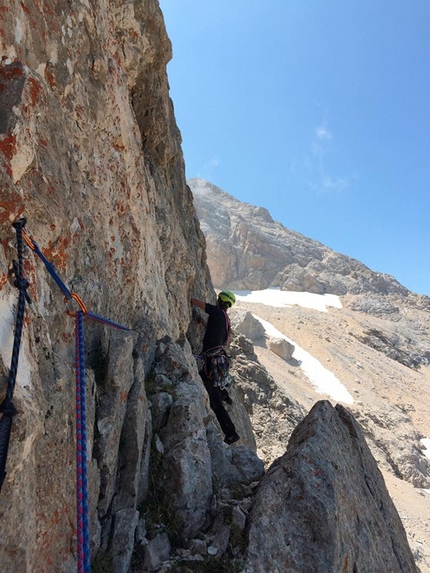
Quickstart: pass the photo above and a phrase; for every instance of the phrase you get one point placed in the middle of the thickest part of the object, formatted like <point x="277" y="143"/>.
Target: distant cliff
<point x="90" y="155"/>
<point x="247" y="249"/>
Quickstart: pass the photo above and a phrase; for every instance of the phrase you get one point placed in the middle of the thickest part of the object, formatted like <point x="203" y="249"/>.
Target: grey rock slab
<point x="324" y="506"/>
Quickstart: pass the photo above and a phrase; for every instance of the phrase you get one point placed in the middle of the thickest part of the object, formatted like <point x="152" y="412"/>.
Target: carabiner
<point x="80" y="302"/>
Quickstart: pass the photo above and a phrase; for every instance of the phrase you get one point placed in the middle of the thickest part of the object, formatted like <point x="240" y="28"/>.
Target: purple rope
<point x="83" y="548"/>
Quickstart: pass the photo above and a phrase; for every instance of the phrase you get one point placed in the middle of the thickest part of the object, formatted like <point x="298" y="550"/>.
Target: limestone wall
<point x="90" y="154"/>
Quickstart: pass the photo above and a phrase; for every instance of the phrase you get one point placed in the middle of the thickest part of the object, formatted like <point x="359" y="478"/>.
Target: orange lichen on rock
<point x="50" y="77"/>
<point x="67" y="337"/>
<point x="11" y="72"/>
<point x="35" y="90"/>
<point x="11" y="208"/>
<point x="30" y="275"/>
<point x="57" y="252"/>
<point x="25" y="8"/>
<point x="3" y="280"/>
<point x="8" y="149"/>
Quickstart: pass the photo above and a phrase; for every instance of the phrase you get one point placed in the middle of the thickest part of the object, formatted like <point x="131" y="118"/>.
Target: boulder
<point x="126" y="521"/>
<point x="324" y="506"/>
<point x="243" y="322"/>
<point x="281" y="347"/>
<point x="157" y="551"/>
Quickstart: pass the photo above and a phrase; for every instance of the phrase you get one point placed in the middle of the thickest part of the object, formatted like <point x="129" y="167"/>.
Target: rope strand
<point x="104" y="320"/>
<point x="83" y="548"/>
<point x="7" y="407"/>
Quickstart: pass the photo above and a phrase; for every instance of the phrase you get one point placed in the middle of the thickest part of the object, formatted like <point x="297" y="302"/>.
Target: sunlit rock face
<point x="325" y="505"/>
<point x="90" y="155"/>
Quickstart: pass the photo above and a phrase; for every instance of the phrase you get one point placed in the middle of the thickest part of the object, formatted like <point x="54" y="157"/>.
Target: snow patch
<point x="18" y="31"/>
<point x="426" y="443"/>
<point x="281" y="299"/>
<point x="7" y="320"/>
<point x="323" y="381"/>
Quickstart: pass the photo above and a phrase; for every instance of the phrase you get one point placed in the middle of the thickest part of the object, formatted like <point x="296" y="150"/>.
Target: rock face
<point x="90" y="155"/>
<point x="324" y="507"/>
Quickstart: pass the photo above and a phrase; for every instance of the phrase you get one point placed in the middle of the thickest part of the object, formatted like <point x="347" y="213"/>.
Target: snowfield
<point x="282" y="299"/>
<point x="322" y="380"/>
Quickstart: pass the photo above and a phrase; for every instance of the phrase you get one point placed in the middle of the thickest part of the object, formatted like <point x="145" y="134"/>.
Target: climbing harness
<point x="216" y="367"/>
<point x="8" y="410"/>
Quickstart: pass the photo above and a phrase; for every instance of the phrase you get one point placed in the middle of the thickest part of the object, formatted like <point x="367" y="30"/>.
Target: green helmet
<point x="227" y="297"/>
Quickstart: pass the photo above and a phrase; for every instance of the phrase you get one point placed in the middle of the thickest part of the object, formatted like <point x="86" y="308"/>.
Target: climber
<point x="215" y="370"/>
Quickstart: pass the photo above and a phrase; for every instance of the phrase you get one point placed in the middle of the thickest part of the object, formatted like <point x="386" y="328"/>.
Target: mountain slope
<point x="376" y="344"/>
<point x="259" y="252"/>
<point x="247" y="249"/>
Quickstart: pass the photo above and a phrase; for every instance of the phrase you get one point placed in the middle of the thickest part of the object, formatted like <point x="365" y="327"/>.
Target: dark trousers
<point x="215" y="400"/>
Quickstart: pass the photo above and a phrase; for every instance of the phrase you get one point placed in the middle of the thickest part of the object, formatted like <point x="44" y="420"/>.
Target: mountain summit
<point x="247" y="249"/>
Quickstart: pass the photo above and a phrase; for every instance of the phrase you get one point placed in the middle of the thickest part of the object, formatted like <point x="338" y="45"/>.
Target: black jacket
<point x="217" y="329"/>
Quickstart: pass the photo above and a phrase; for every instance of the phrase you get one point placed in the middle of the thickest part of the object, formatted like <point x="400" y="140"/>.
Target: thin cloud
<point x="209" y="167"/>
<point x="323" y="133"/>
<point x="213" y="163"/>
<point x="316" y="163"/>
<point x="337" y="184"/>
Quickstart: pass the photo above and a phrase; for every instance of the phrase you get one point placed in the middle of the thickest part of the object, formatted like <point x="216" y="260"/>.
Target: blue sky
<point x="318" y="111"/>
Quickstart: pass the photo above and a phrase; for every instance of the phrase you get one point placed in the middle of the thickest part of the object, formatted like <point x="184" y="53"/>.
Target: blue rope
<point x="51" y="269"/>
<point x="104" y="320"/>
<point x="81" y="451"/>
<point x="6" y="407"/>
<point x="5" y="430"/>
